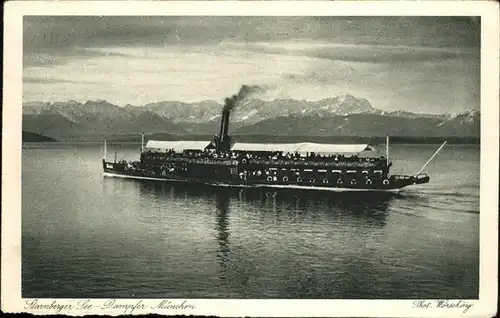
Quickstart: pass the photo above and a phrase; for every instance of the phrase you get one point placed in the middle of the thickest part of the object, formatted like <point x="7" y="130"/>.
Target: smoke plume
<point x="246" y="92"/>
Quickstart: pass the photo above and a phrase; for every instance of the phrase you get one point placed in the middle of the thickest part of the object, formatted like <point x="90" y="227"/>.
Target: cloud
<point x="174" y="73"/>
<point x="95" y="31"/>
<point x="161" y="74"/>
<point x="363" y="53"/>
<point x="139" y="60"/>
<point x="41" y="80"/>
<point x="50" y="40"/>
<point x="51" y="56"/>
<point x="57" y="80"/>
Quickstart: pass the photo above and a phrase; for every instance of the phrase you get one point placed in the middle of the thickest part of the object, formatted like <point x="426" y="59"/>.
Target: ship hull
<point x="394" y="186"/>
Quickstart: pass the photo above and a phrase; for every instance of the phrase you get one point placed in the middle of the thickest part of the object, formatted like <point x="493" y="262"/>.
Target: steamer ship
<point x="306" y="165"/>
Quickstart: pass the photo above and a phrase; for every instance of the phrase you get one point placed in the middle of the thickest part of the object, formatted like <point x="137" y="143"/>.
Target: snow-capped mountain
<point x="341" y="115"/>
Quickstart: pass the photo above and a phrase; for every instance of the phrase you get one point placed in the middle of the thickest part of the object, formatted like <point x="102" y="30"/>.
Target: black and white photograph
<point x="170" y="159"/>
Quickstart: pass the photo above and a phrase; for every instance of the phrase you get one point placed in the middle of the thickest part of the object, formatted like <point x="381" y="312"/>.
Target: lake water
<point x="84" y="235"/>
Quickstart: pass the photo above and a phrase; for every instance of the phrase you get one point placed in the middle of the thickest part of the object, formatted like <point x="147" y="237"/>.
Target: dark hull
<point x="394" y="183"/>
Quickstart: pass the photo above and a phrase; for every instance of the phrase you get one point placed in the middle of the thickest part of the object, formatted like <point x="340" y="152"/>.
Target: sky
<point x="418" y="64"/>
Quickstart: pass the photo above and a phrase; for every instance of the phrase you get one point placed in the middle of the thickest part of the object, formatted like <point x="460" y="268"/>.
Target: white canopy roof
<point x="303" y="147"/>
<point x="176" y="145"/>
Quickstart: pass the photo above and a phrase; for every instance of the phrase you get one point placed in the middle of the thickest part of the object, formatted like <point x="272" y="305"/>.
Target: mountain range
<point x="337" y="116"/>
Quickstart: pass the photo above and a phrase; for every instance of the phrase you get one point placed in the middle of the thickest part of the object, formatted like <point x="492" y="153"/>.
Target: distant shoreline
<point x="34" y="137"/>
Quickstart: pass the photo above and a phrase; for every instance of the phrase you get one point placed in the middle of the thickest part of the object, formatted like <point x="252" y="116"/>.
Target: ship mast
<point x="105" y="150"/>
<point x="142" y="142"/>
<point x="387" y="150"/>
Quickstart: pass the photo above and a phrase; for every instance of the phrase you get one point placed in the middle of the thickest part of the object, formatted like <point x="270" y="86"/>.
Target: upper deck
<point x="264" y="158"/>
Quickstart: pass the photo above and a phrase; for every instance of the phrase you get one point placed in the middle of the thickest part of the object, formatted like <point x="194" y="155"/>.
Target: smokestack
<point x="224" y="125"/>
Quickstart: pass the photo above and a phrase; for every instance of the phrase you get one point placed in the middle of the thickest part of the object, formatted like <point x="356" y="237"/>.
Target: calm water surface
<point x="88" y="236"/>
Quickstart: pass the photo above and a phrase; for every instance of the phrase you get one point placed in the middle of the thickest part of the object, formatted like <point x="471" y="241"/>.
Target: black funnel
<point x="224" y="138"/>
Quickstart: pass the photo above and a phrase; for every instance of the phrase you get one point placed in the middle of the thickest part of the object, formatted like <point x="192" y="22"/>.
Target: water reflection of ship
<point x="368" y="208"/>
<point x="222" y="228"/>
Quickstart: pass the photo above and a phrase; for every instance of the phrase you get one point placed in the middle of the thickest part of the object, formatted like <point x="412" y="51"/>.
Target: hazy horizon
<point x="416" y="64"/>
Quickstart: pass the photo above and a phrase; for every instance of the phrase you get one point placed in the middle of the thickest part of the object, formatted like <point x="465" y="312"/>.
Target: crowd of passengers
<point x="264" y="156"/>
